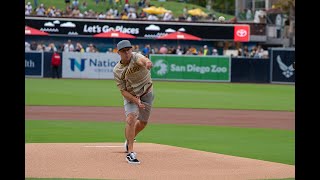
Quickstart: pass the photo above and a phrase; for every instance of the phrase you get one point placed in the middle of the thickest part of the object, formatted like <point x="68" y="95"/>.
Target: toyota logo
<point x="241" y="33"/>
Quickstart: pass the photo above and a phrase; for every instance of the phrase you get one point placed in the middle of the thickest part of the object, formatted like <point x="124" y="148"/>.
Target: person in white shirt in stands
<point x="28" y="9"/>
<point x="214" y="52"/>
<point x="167" y="16"/>
<point x="68" y="47"/>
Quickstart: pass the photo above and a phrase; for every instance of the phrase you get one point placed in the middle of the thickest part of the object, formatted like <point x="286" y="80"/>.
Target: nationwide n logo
<point x="160" y="67"/>
<point x="287" y="71"/>
<point x="74" y="63"/>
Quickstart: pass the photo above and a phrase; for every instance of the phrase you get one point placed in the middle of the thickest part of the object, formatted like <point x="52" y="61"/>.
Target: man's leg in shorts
<point x="130" y="130"/>
<point x="131" y="111"/>
<point x="144" y="114"/>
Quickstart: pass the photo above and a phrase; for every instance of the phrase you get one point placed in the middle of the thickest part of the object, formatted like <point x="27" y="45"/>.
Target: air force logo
<point x="287" y="71"/>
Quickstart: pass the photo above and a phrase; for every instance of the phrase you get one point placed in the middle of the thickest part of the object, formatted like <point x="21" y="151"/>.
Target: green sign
<point x="181" y="67"/>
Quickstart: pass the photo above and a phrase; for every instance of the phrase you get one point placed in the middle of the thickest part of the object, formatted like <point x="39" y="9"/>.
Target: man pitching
<point x="133" y="78"/>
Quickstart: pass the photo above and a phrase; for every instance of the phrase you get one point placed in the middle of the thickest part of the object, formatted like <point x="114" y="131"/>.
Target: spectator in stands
<point x="55" y="64"/>
<point x="28" y="9"/>
<point x="181" y="17"/>
<point x="40" y="47"/>
<point x="141" y="3"/>
<point x="214" y="52"/>
<point x="205" y="50"/>
<point x="132" y="14"/>
<point x="163" y="49"/>
<point x="192" y="51"/>
<point x="248" y="15"/>
<point x="33" y="46"/>
<point x="185" y="12"/>
<point x="75" y="12"/>
<point x="91" y="48"/>
<point x="51" y="48"/>
<point x="246" y="51"/>
<point x="136" y="48"/>
<point x="68" y="47"/>
<point x="27" y="46"/>
<point x="109" y="15"/>
<point x="124" y="15"/>
<point x="168" y="16"/>
<point x="84" y="6"/>
<point x="68" y="11"/>
<point x="52" y="11"/>
<point x="40" y="11"/>
<point x="109" y="50"/>
<point x="102" y="15"/>
<point x="142" y="15"/>
<point x="79" y="47"/>
<point x="152" y="17"/>
<point x="75" y="3"/>
<point x="146" y="50"/>
<point x="179" y="50"/>
<point x="240" y="53"/>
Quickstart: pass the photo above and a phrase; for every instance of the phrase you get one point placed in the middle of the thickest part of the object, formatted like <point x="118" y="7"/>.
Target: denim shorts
<point x="142" y="114"/>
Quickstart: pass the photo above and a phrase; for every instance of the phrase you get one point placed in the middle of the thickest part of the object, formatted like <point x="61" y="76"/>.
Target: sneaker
<point x="131" y="158"/>
<point x="126" y="145"/>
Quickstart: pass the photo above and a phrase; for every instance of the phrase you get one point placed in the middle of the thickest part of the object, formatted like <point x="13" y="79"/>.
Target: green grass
<point x="80" y="92"/>
<point x="263" y="144"/>
<point x="175" y="6"/>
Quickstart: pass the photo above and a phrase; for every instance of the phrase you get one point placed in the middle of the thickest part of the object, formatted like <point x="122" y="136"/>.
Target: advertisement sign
<point x="241" y="33"/>
<point x="281" y="66"/>
<point x="89" y="65"/>
<point x="140" y="29"/>
<point x="191" y="68"/>
<point x="33" y="63"/>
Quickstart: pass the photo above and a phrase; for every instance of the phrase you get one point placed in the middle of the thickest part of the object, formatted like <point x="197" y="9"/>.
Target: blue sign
<point x="282" y="65"/>
<point x="33" y="64"/>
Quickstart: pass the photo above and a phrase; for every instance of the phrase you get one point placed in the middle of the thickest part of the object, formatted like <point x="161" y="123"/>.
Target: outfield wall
<point x="277" y="69"/>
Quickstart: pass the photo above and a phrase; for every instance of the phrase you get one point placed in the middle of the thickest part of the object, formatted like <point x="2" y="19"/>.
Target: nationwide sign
<point x="140" y="29"/>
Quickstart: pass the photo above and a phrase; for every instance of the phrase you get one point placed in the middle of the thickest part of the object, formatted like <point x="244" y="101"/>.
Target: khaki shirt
<point x="132" y="77"/>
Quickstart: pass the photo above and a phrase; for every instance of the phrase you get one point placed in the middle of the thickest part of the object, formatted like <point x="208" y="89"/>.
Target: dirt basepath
<point x="107" y="160"/>
<point x="239" y="118"/>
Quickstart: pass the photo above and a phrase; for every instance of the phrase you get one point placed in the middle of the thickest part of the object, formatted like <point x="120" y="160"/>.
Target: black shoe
<point x="131" y="158"/>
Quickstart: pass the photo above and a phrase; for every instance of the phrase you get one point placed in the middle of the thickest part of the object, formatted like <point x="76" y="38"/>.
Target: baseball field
<point x="75" y="129"/>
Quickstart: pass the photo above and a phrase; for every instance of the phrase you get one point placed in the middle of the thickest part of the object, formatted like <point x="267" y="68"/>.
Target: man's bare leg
<point x="139" y="126"/>
<point x="130" y="130"/>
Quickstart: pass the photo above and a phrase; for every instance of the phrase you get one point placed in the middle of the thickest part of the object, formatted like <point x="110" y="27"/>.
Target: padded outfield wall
<point x="277" y="69"/>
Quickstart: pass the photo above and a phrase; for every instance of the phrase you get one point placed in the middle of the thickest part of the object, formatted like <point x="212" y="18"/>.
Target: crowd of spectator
<point x="147" y="49"/>
<point x="117" y="10"/>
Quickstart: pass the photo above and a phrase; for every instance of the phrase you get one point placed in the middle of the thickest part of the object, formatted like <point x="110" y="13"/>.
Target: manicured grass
<point x="263" y="144"/>
<point x="80" y="92"/>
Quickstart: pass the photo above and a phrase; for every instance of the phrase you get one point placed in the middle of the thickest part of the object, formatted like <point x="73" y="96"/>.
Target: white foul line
<point x="103" y="146"/>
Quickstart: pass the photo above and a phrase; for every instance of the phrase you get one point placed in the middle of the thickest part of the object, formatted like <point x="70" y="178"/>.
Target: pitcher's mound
<point x="107" y="161"/>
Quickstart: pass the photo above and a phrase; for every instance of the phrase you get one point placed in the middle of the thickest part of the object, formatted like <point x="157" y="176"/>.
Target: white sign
<point x="89" y="65"/>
